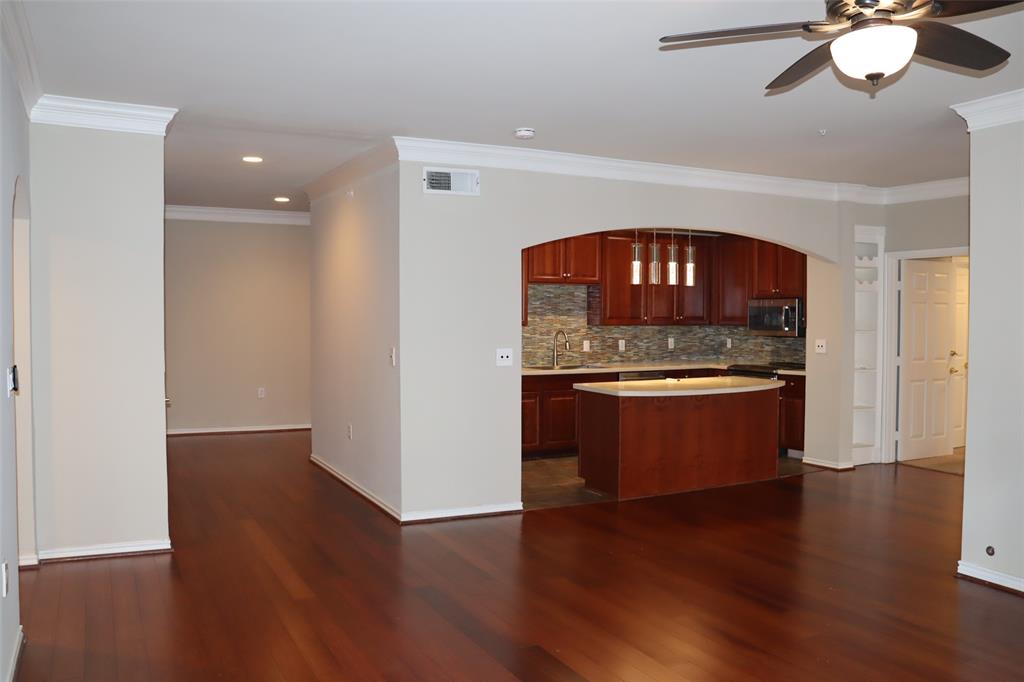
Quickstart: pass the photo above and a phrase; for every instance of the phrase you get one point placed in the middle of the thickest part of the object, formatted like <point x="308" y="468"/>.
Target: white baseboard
<point x="458" y="512"/>
<point x="12" y="666"/>
<point x="236" y="429"/>
<point x="988" y="575"/>
<point x="101" y="550"/>
<point x="387" y="508"/>
<point x="28" y="560"/>
<point x="837" y="466"/>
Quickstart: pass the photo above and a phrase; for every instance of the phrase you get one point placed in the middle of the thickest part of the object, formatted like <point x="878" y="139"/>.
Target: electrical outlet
<point x="586" y="345"/>
<point x="671" y="342"/>
<point x="261" y="393"/>
<point x="622" y="345"/>
<point x="350" y="432"/>
<point x="820" y="346"/>
<point x="503" y="357"/>
<point x="728" y="342"/>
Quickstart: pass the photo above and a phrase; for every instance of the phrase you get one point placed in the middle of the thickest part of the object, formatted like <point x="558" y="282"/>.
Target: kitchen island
<point x="644" y="438"/>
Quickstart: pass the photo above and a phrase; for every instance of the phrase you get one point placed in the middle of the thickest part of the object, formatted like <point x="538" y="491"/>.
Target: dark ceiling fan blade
<point x="955" y="8"/>
<point x="949" y="44"/>
<point x="806" y="65"/>
<point x="740" y="32"/>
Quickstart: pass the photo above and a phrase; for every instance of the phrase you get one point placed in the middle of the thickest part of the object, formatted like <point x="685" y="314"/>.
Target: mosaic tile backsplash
<point x="562" y="306"/>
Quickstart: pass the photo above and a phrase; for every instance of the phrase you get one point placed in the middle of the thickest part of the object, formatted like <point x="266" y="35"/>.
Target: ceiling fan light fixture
<point x="875" y="51"/>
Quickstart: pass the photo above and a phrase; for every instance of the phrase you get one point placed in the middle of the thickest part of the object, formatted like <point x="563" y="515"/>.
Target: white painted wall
<point x="14" y="162"/>
<point x="460" y="290"/>
<point x="27" y="549"/>
<point x="98" y="340"/>
<point x="237" y="320"/>
<point x="355" y="304"/>
<point x="935" y="224"/>
<point x="994" y="476"/>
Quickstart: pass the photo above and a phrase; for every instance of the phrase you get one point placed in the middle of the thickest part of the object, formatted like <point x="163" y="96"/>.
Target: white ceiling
<point x="309" y="85"/>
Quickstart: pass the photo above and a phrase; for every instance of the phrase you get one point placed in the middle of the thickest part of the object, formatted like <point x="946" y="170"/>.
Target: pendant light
<point x="691" y="264"/>
<point x="673" y="261"/>
<point x="655" y="276"/>
<point x="636" y="266"/>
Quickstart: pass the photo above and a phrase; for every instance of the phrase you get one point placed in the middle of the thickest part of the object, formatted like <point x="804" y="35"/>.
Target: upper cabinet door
<point x="791" y="280"/>
<point x="766" y="269"/>
<point x="693" y="304"/>
<point x="546" y="263"/>
<point x="621" y="302"/>
<point x="582" y="259"/>
<point x="660" y="297"/>
<point x="733" y="261"/>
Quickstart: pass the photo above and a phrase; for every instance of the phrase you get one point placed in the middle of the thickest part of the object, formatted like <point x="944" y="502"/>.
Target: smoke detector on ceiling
<point x="525" y="133"/>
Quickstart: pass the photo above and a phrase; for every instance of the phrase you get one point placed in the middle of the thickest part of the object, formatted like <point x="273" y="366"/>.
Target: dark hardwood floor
<point x="281" y="573"/>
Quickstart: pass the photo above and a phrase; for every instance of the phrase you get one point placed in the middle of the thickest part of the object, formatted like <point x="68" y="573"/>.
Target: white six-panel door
<point x="958" y="363"/>
<point x="927" y="312"/>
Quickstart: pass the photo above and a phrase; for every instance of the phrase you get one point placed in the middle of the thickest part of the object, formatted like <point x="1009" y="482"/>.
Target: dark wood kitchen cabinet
<point x="620" y="302"/>
<point x="791" y="412"/>
<point x="733" y="260"/>
<point x="576" y="260"/>
<point x="525" y="299"/>
<point x="549" y="411"/>
<point x="693" y="304"/>
<point x="779" y="271"/>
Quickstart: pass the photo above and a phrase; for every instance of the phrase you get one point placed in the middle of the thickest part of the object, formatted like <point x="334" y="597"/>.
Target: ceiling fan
<point x="881" y="37"/>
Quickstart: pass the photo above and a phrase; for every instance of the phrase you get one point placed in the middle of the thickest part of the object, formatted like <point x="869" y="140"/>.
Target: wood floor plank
<point x="280" y="573"/>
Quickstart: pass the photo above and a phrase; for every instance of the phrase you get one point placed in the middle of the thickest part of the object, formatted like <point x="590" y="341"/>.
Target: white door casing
<point x="927" y="323"/>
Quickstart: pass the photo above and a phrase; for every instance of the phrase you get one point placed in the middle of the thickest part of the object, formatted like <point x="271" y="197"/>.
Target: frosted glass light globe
<point x="874" y="52"/>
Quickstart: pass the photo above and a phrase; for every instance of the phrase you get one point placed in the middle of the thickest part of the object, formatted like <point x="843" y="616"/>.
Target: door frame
<point x="890" y="361"/>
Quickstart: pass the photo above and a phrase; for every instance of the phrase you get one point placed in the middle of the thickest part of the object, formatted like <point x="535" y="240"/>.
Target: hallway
<point x="281" y="573"/>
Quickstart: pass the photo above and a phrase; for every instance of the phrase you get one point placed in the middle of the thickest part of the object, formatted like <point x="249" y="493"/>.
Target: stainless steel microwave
<point x="776" y="317"/>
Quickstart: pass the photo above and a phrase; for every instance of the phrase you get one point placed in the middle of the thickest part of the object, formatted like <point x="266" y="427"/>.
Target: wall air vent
<point x="451" y="181"/>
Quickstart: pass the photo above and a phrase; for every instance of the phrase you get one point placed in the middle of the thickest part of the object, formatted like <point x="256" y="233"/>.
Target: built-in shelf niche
<point x="869" y="247"/>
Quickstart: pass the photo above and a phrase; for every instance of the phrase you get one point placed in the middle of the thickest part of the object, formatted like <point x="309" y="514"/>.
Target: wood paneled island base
<point x="634" y="447"/>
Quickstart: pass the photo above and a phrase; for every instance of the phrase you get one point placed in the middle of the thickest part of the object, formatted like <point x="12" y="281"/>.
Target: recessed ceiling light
<point x="282" y="200"/>
<point x="525" y="133"/>
<point x="252" y="159"/>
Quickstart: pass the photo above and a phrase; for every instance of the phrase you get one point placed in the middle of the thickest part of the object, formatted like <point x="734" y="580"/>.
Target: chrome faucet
<point x="554" y="347"/>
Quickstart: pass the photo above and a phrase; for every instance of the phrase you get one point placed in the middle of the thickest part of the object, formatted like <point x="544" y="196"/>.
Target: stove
<point x="768" y="371"/>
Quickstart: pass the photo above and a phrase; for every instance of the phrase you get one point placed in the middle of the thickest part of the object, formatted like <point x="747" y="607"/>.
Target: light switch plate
<point x="503" y="357"/>
<point x="820" y="346"/>
<point x="671" y="342"/>
<point x="586" y="345"/>
<point x="261" y="393"/>
<point x="622" y="344"/>
<point x="728" y="342"/>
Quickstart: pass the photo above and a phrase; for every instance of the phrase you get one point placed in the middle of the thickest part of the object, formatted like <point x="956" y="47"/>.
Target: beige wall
<point x="460" y="291"/>
<point x="993" y="504"/>
<point x="935" y="224"/>
<point x="355" y="325"/>
<point x="98" y="340"/>
<point x="14" y="164"/>
<point x="237" y="316"/>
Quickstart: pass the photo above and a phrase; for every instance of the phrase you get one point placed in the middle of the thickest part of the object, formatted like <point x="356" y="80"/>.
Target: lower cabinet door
<point x="791" y="423"/>
<point x="558" y="428"/>
<point x="531" y="420"/>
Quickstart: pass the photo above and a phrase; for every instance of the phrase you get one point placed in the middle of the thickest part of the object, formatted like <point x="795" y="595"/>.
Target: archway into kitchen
<point x="666" y="308"/>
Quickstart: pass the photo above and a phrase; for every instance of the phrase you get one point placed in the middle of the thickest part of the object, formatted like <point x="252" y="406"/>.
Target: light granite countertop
<point x="667" y="388"/>
<point x="647" y="367"/>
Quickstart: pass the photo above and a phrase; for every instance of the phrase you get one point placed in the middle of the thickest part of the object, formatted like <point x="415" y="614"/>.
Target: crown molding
<point x="562" y="163"/>
<point x="99" y="115"/>
<point x="988" y="112"/>
<point x="17" y="40"/>
<point x="215" y="214"/>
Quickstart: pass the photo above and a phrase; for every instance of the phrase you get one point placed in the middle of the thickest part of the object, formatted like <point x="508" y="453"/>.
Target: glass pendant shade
<point x="655" y="276"/>
<point x="673" y="265"/>
<point x="874" y="52"/>
<point x="636" y="266"/>
<point x="691" y="266"/>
